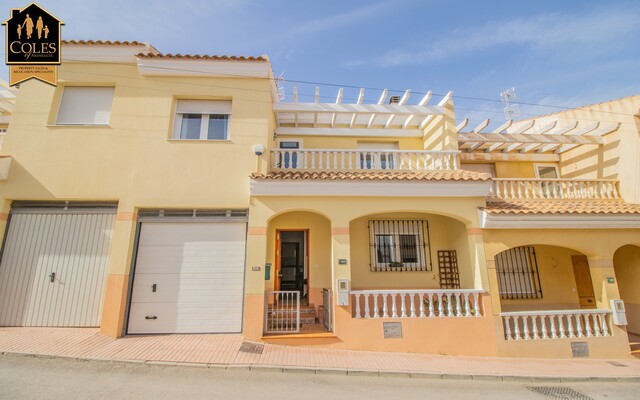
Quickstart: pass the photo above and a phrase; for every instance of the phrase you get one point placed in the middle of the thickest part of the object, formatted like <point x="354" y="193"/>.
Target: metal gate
<point x="327" y="308"/>
<point x="282" y="311"/>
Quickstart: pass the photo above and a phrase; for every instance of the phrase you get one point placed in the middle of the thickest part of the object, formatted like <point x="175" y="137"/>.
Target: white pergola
<point x="356" y="119"/>
<point x="531" y="137"/>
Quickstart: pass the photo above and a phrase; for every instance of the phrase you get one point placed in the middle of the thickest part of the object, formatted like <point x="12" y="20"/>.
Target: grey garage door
<point x="54" y="266"/>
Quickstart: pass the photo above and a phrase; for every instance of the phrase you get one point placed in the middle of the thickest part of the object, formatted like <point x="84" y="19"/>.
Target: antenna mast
<point x="510" y="110"/>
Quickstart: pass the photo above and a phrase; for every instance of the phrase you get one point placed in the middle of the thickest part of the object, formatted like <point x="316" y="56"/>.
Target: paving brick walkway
<point x="225" y="350"/>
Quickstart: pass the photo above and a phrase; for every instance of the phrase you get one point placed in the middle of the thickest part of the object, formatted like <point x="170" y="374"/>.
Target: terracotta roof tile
<point x="375" y="176"/>
<point x="104" y="42"/>
<point x="200" y="57"/>
<point x="562" y="207"/>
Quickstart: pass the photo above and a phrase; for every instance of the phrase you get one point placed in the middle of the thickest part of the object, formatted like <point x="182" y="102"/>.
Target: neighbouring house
<point x="153" y="193"/>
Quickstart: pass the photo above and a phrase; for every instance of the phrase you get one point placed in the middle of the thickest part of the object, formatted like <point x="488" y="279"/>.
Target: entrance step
<point x="288" y="315"/>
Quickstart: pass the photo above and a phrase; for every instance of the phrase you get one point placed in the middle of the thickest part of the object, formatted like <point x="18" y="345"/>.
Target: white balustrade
<point x="417" y="303"/>
<point x="363" y="160"/>
<point x="529" y="189"/>
<point x="560" y="324"/>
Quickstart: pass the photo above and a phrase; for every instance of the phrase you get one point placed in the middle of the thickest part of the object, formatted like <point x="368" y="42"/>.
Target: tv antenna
<point x="510" y="110"/>
<point x="280" y="86"/>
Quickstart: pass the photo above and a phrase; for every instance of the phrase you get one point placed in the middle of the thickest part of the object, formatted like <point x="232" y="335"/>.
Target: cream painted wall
<point x="619" y="158"/>
<point x="626" y="262"/>
<point x="445" y="234"/>
<point x="134" y="160"/>
<point x="556" y="280"/>
<point x="515" y="170"/>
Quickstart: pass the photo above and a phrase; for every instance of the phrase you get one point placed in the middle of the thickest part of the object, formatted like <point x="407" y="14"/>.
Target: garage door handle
<point x="52" y="277"/>
<point x="154" y="287"/>
<point x="150" y="317"/>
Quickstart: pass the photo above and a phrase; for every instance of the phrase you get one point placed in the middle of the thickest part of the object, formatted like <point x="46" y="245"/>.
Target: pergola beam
<point x="541" y="131"/>
<point x="359" y="101"/>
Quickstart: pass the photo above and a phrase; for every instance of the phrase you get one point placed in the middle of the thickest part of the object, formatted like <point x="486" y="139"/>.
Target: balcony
<point x="574" y="189"/>
<point x="532" y="325"/>
<point x="417" y="303"/>
<point x="363" y="160"/>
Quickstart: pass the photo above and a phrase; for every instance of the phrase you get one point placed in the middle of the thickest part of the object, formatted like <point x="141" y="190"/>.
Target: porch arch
<point x="442" y="233"/>
<point x="316" y="229"/>
<point x="626" y="264"/>
<point x="534" y="277"/>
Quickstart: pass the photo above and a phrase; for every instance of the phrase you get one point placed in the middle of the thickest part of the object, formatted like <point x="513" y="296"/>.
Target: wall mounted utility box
<point x="343" y="292"/>
<point x="619" y="315"/>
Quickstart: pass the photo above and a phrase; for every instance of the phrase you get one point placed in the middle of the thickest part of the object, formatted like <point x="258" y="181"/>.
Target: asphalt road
<point x="24" y="377"/>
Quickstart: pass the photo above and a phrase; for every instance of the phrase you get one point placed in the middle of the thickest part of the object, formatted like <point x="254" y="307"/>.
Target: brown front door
<point x="276" y="275"/>
<point x="584" y="284"/>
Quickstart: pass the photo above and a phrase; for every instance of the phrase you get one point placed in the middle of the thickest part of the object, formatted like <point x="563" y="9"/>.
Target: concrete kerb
<point x="339" y="371"/>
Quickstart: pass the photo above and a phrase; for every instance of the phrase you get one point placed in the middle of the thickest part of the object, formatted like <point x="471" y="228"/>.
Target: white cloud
<point x="540" y="32"/>
<point x="327" y="23"/>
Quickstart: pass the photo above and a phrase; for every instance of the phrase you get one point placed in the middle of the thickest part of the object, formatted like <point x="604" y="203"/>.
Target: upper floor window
<point x="547" y="171"/>
<point x="85" y="105"/>
<point x="202" y="120"/>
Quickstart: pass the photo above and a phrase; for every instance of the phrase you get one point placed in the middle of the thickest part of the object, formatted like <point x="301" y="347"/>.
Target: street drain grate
<point x="253" y="348"/>
<point x="559" y="392"/>
<point x="616" y="364"/>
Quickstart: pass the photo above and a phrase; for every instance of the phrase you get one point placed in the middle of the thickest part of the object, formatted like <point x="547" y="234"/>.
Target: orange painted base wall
<point x="113" y="308"/>
<point x="473" y="336"/>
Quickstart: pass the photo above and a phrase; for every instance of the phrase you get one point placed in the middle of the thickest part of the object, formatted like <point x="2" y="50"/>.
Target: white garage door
<point x="54" y="266"/>
<point x="189" y="278"/>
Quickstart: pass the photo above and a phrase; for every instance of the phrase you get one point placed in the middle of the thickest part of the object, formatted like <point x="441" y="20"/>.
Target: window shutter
<point x="203" y="107"/>
<point x="85" y="105"/>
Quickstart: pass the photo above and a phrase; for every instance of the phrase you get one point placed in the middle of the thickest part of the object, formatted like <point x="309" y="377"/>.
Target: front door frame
<point x="586" y="293"/>
<point x="276" y="282"/>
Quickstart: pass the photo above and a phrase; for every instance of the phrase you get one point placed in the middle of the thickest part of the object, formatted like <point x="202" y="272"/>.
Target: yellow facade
<point x="136" y="162"/>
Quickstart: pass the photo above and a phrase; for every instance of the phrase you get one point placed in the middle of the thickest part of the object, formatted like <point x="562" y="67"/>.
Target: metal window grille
<point x="399" y="245"/>
<point x="518" y="276"/>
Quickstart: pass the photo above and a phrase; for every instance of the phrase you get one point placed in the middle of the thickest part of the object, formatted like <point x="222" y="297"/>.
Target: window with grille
<point x="518" y="277"/>
<point x="399" y="245"/>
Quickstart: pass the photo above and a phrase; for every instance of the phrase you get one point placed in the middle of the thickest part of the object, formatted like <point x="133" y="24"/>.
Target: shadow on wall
<point x="595" y="169"/>
<point x="21" y="181"/>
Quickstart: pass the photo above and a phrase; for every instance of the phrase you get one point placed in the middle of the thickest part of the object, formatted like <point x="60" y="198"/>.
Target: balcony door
<point x="376" y="158"/>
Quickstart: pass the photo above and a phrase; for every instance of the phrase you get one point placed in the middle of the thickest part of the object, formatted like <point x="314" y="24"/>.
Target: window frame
<point x="64" y="103"/>
<point x="396" y="230"/>
<point x="537" y="167"/>
<point x="205" y="118"/>
<point x="376" y="160"/>
<point x="518" y="273"/>
<point x="283" y="161"/>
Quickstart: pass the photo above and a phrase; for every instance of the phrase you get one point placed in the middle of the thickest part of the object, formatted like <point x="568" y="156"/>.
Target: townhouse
<point x="154" y="193"/>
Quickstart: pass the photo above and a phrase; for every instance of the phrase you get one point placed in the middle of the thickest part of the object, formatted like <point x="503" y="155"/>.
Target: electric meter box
<point x="618" y="312"/>
<point x="343" y="292"/>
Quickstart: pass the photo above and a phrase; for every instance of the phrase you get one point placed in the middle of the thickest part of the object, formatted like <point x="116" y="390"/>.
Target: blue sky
<point x="557" y="53"/>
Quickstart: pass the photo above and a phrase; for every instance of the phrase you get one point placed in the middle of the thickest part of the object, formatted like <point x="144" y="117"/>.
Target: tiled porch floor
<point x="224" y="349"/>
